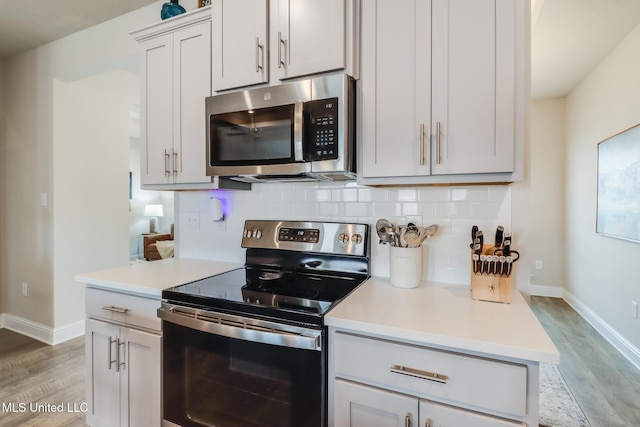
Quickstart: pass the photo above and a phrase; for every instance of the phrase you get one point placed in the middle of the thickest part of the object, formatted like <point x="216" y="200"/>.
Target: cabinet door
<point x="473" y="99"/>
<point x="307" y="36"/>
<point x="102" y="377"/>
<point x="357" y="405"/>
<point x="192" y="84"/>
<point x="395" y="77"/>
<point x="141" y="386"/>
<point x="239" y="43"/>
<point x="436" y="415"/>
<point x="157" y="110"/>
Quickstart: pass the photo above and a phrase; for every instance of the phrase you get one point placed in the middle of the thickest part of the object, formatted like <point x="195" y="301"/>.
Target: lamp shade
<point x="153" y="210"/>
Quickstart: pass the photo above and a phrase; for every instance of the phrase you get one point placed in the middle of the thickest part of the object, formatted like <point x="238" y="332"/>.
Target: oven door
<point x="228" y="371"/>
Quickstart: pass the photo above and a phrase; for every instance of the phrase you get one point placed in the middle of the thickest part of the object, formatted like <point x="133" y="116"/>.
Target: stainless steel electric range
<point x="248" y="347"/>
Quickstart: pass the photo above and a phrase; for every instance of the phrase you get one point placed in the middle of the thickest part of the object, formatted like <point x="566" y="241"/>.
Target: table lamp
<point x="153" y="211"/>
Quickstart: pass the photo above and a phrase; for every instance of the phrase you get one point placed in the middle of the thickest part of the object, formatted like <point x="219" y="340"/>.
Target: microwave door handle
<point x="298" y="124"/>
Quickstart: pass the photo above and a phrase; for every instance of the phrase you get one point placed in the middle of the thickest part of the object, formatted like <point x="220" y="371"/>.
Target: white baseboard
<point x="40" y="332"/>
<point x="621" y="344"/>
<point x="546" y="291"/>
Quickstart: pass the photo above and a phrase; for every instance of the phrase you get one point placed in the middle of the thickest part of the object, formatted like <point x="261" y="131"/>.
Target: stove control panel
<point x="324" y="237"/>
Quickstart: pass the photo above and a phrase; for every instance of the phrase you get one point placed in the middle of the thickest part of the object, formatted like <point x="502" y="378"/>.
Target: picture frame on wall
<point x="618" y="199"/>
<point x="203" y="3"/>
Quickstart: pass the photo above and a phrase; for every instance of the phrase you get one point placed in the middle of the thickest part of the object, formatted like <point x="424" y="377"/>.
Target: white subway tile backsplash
<point x="446" y="256"/>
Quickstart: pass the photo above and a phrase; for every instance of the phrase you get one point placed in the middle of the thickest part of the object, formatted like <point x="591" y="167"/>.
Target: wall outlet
<point x="538" y="264"/>
<point x="416" y="219"/>
<point x="192" y="220"/>
<point x="634" y="310"/>
<point x="25" y="289"/>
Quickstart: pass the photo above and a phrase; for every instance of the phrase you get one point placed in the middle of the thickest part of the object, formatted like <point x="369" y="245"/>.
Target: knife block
<point x="490" y="287"/>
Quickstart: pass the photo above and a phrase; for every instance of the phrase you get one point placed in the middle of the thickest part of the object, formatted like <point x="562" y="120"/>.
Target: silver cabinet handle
<point x="425" y="375"/>
<point x="118" y="362"/>
<point x="175" y="162"/>
<point x="110" y="354"/>
<point x="421" y="144"/>
<point x="437" y="143"/>
<point x="407" y="421"/>
<point x="427" y="423"/>
<point x="259" y="55"/>
<point x="115" y="309"/>
<point x="281" y="44"/>
<point x="166" y="162"/>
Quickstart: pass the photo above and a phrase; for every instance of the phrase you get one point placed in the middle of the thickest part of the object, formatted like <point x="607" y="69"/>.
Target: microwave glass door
<point x="253" y="137"/>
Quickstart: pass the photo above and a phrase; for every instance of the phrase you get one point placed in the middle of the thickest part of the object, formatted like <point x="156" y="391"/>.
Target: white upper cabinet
<point x="175" y="80"/>
<point x="395" y="88"/>
<point x="260" y="41"/>
<point x="473" y="84"/>
<point x="442" y="91"/>
<point x="308" y="36"/>
<point x="240" y="43"/>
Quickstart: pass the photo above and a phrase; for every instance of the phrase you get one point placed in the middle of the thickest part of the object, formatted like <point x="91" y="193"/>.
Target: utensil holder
<point x="405" y="266"/>
<point x="491" y="282"/>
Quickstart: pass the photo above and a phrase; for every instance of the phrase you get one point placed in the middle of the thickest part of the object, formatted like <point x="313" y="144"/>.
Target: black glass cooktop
<point x="269" y="292"/>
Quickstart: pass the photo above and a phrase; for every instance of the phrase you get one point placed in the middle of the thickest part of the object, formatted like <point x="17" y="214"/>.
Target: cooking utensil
<point x="386" y="231"/>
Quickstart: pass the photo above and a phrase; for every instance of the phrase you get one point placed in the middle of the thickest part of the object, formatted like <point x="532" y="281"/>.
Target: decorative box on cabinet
<point x="260" y="41"/>
<point x="175" y="80"/>
<point x="443" y="91"/>
<point x="123" y="351"/>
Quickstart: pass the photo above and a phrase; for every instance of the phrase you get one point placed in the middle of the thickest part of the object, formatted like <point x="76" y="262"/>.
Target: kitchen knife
<point x="495" y="266"/>
<point x="476" y="256"/>
<point x="480" y="235"/>
<point x="474" y="230"/>
<point x="499" y="236"/>
<point x="506" y="248"/>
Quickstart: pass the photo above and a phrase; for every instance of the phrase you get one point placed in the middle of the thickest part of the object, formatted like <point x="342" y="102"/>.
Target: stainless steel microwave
<point x="299" y="131"/>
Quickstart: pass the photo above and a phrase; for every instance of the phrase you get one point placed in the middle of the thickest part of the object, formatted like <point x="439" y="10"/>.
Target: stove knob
<point x="343" y="238"/>
<point x="258" y="301"/>
<point x="356" y="238"/>
<point x="247" y="233"/>
<point x="258" y="234"/>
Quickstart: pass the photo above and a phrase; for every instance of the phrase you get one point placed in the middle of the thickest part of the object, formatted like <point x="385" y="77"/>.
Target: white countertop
<point x="445" y="316"/>
<point x="150" y="278"/>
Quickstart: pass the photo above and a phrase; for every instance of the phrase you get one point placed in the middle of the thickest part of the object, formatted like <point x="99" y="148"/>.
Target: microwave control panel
<point x="322" y="130"/>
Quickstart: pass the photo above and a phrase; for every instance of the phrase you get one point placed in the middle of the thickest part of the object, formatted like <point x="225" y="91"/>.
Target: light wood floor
<point x="36" y="378"/>
<point x="605" y="384"/>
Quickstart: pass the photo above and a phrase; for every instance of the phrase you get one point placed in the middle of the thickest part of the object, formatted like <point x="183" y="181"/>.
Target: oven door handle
<point x="254" y="331"/>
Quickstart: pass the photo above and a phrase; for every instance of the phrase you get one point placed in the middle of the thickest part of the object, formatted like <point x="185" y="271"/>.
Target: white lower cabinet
<point x="357" y="405"/>
<point x="378" y="382"/>
<point x="435" y="415"/>
<point x="123" y="371"/>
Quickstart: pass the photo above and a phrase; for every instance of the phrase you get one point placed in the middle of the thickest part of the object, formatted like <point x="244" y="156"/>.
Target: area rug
<point x="558" y="407"/>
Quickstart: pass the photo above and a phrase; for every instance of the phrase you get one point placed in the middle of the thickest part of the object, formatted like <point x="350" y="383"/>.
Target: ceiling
<point x="25" y="25"/>
<point x="569" y="37"/>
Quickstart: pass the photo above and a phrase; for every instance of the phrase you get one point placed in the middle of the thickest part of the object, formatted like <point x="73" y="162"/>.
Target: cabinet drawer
<point x="123" y="308"/>
<point x="473" y="382"/>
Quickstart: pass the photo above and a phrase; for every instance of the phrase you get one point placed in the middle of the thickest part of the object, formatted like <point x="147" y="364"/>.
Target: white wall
<point x="446" y="256"/>
<point x="547" y="212"/>
<point x="91" y="182"/>
<point x="31" y="240"/>
<point x="602" y="272"/>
